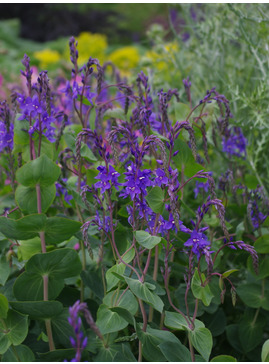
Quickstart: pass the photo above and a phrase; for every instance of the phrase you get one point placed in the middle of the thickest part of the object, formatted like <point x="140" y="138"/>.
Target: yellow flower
<point x="47" y="57"/>
<point x="125" y="58"/>
<point x="89" y="45"/>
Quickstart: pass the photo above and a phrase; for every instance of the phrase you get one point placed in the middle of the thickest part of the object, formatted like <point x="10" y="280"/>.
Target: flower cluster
<point x="234" y="142"/>
<point x="79" y="342"/>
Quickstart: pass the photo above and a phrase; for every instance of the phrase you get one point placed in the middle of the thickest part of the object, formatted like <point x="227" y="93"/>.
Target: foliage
<point x="135" y="212"/>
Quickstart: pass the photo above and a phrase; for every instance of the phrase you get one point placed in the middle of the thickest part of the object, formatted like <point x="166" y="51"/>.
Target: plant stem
<point x="155" y="273"/>
<point x="191" y="348"/>
<point x="45" y="277"/>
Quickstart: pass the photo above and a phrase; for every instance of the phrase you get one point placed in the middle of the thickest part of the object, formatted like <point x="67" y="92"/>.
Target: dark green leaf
<point x="251" y="295"/>
<point x="20" y="353"/>
<point x="26" y="198"/>
<point x="175" y="352"/>
<point x="58" y="265"/>
<point x="57" y="229"/>
<point x="40" y="171"/>
<point x="61" y="329"/>
<point x="38" y="310"/>
<point x="261" y="245"/>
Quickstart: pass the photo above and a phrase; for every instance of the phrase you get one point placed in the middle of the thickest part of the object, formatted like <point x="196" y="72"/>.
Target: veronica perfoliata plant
<point x="116" y="243"/>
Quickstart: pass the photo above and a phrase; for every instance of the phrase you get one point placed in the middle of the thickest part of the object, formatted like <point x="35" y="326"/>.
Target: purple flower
<point x="161" y="178"/>
<point x="257" y="217"/>
<point x="107" y="178"/>
<point x="80" y="342"/>
<point x="198" y="243"/>
<point x="6" y="137"/>
<point x="234" y="142"/>
<point x="136" y="182"/>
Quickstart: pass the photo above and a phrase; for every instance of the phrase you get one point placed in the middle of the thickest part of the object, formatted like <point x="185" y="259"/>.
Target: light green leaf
<point x="3" y="306"/>
<point x="42" y="171"/>
<point x="199" y="291"/>
<point x="142" y="291"/>
<point x="265" y="351"/>
<point x="109" y="321"/>
<point x="223" y="358"/>
<point x="127" y="301"/>
<point x="201" y="339"/>
<point x="155" y="199"/>
<point x="176" y="321"/>
<point x="111" y="279"/>
<point x="146" y="240"/>
<point x="13" y="330"/>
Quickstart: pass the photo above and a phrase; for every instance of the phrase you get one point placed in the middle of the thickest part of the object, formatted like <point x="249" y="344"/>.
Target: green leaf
<point x="125" y="314"/>
<point x="57" y="229"/>
<point x="13" y="330"/>
<point x="265" y="351"/>
<point x="251" y="295"/>
<point x="181" y="110"/>
<point x="127" y="301"/>
<point x="61" y="328"/>
<point x="184" y="156"/>
<point x="151" y="339"/>
<point x="155" y="199"/>
<point x="261" y="245"/>
<point x="109" y="321"/>
<point x="228" y="272"/>
<point x="115" y="352"/>
<point x="86" y="153"/>
<point x="4" y="270"/>
<point x="116" y="113"/>
<point x="40" y="171"/>
<point x="25" y="228"/>
<point x="199" y="291"/>
<point x="18" y="353"/>
<point x="57" y="355"/>
<point x="146" y="240"/>
<point x="251" y="330"/>
<point x="175" y="352"/>
<point x="176" y="321"/>
<point x="111" y="279"/>
<point x="93" y="280"/>
<point x="142" y="291"/>
<point x="3" y="306"/>
<point x="38" y="309"/>
<point x="223" y="358"/>
<point x="263" y="271"/>
<point x="201" y="339"/>
<point x="28" y="248"/>
<point x="57" y="265"/>
<point x="26" y="198"/>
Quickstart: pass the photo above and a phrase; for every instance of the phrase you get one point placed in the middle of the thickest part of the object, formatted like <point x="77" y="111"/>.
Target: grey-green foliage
<point x="228" y="48"/>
